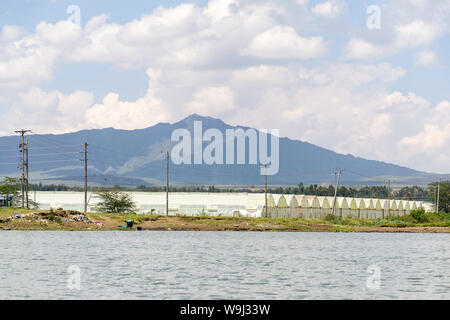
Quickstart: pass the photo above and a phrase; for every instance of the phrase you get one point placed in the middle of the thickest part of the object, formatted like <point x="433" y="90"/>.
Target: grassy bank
<point x="72" y="220"/>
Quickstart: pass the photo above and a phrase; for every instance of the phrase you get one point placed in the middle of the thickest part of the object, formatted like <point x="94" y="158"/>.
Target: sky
<point x="368" y="78"/>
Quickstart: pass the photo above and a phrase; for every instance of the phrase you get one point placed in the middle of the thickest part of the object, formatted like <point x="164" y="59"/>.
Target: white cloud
<point x="142" y="113"/>
<point x="428" y="146"/>
<point x="426" y="58"/>
<point x="302" y="2"/>
<point x="414" y="34"/>
<point x="405" y="24"/>
<point x="361" y="49"/>
<point x="430" y="138"/>
<point x="213" y="101"/>
<point x="417" y="33"/>
<point x="444" y="108"/>
<point x="49" y="111"/>
<point x="218" y="10"/>
<point x="11" y="33"/>
<point x="58" y="34"/>
<point x="282" y="42"/>
<point x="329" y="9"/>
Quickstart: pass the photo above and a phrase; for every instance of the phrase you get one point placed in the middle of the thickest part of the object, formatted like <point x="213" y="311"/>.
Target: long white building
<point x="318" y="207"/>
<point x="244" y="204"/>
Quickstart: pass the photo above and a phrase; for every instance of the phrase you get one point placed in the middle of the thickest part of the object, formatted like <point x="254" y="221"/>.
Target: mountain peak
<point x="197" y="117"/>
<point x="209" y="122"/>
<point x="194" y="116"/>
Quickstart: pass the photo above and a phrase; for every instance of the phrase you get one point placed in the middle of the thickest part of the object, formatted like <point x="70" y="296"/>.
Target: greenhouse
<point x="241" y="204"/>
<point x="312" y="207"/>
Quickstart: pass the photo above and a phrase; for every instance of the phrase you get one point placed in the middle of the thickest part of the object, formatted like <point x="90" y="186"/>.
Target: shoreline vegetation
<point x="66" y="220"/>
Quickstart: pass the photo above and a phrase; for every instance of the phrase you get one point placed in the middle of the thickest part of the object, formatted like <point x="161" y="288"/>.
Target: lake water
<point x="224" y="265"/>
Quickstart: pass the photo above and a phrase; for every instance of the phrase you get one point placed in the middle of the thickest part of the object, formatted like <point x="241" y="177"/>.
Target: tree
<point x="10" y="186"/>
<point x="115" y="202"/>
<point x="444" y="195"/>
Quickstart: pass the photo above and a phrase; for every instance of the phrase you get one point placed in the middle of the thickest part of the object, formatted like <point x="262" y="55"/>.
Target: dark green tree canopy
<point x="9" y="186"/>
<point x="444" y="195"/>
<point x="115" y="202"/>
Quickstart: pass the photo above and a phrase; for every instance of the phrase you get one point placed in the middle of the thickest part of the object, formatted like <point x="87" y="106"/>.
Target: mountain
<point x="134" y="157"/>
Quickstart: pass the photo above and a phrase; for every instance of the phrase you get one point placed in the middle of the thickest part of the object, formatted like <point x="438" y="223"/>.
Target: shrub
<point x="333" y="219"/>
<point x="419" y="215"/>
<point x="115" y="202"/>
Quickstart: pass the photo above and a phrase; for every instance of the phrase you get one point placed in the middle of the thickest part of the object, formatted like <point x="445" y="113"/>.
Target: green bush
<point x="333" y="219"/>
<point x="419" y="215"/>
<point x="115" y="202"/>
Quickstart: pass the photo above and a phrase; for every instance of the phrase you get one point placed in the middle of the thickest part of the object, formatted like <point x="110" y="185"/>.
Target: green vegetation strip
<point x="54" y="221"/>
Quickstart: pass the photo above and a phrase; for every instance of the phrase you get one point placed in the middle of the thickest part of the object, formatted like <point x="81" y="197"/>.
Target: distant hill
<point x="134" y="157"/>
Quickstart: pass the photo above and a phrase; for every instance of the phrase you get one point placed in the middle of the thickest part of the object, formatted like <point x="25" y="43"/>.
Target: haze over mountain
<point x="134" y="157"/>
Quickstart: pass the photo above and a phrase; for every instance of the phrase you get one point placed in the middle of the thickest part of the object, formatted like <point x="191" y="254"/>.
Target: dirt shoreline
<point x="74" y="221"/>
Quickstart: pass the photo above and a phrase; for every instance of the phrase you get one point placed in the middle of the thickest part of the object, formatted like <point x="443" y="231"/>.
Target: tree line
<point x="405" y="193"/>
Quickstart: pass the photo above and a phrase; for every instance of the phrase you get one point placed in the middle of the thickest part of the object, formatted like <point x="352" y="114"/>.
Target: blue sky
<point x="376" y="93"/>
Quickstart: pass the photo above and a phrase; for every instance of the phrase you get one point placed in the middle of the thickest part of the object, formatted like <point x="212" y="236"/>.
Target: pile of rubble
<point x="45" y="216"/>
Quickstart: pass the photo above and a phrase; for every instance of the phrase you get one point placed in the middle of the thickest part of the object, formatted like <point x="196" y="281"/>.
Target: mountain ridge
<point x="117" y="155"/>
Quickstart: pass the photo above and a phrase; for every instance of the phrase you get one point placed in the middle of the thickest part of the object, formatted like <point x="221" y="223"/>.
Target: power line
<point x="55" y="147"/>
<point x="53" y="161"/>
<point x="8" y="157"/>
<point x="54" y="154"/>
<point x="8" y="150"/>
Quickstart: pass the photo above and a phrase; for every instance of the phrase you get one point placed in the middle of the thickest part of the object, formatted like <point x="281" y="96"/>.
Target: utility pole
<point x="22" y="132"/>
<point x="389" y="198"/>
<point x="437" y="201"/>
<point x="335" y="192"/>
<point x="435" y="197"/>
<point x="167" y="184"/>
<point x="336" y="187"/>
<point x="26" y="172"/>
<point x="85" y="176"/>
<point x="265" y="189"/>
